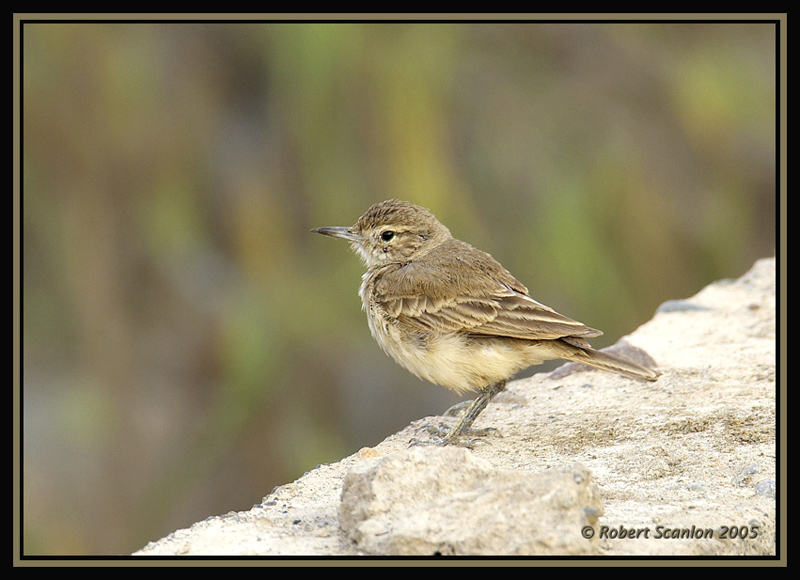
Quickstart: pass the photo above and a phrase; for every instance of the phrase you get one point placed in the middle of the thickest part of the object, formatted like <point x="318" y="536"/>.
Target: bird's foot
<point x="443" y="434"/>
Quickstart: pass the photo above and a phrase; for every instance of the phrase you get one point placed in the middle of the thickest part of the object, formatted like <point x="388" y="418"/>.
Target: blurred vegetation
<point x="188" y="344"/>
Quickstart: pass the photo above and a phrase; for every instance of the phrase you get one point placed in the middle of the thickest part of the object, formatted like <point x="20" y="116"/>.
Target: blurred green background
<point x="188" y="344"/>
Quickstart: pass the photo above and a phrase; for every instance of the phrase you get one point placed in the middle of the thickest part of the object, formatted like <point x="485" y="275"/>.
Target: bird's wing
<point x="479" y="297"/>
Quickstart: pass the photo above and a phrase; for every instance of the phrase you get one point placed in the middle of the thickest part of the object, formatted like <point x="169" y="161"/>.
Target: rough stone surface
<point x="447" y="501"/>
<point x="682" y="466"/>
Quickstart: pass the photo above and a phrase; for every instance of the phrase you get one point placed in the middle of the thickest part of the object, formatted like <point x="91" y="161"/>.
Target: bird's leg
<point x="479" y="404"/>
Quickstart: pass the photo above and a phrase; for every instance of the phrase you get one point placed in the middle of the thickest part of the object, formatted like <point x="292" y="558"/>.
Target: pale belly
<point x="457" y="361"/>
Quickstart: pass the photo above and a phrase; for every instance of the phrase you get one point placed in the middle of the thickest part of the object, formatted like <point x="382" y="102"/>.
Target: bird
<point x="453" y="315"/>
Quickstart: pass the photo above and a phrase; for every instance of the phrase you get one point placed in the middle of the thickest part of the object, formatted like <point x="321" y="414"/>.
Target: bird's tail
<point x="608" y="362"/>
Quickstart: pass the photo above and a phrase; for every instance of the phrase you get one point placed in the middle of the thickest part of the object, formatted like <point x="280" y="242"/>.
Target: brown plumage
<point x="452" y="314"/>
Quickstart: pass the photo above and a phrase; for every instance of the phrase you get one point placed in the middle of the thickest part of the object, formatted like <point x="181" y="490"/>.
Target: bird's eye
<point x="387" y="235"/>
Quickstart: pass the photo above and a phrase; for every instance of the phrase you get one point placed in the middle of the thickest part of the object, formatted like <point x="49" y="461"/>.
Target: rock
<point x="682" y="466"/>
<point x="447" y="501"/>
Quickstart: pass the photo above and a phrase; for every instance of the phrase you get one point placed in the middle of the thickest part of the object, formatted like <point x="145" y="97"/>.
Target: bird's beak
<point x="339" y="232"/>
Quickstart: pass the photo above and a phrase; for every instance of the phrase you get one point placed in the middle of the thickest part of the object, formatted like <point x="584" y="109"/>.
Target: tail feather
<point x="608" y="362"/>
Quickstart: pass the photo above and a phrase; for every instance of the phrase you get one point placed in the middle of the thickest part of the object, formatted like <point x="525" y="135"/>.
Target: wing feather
<point x="477" y="296"/>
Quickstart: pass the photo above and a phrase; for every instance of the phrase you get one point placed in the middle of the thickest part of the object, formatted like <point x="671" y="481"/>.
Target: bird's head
<point x="391" y="231"/>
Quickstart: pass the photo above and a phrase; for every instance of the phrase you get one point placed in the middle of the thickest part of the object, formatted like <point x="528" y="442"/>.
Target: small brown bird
<point x="452" y="315"/>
